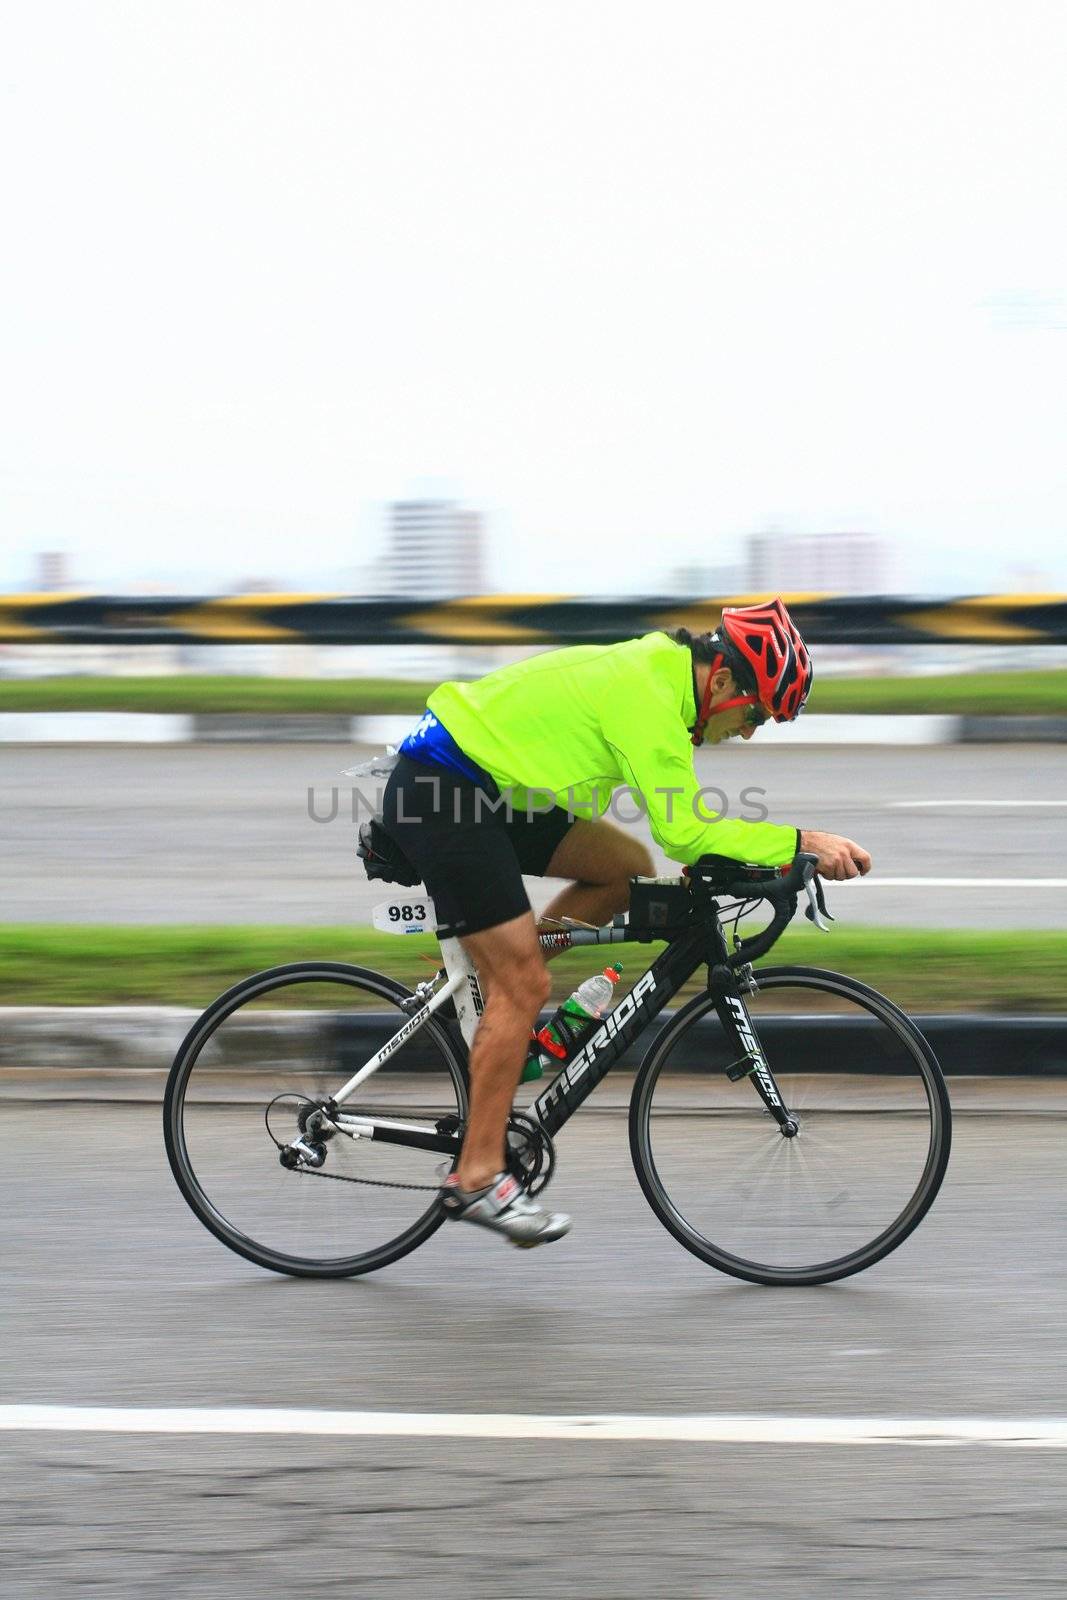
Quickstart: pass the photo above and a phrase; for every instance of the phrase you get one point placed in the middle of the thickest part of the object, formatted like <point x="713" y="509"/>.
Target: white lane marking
<point x="873" y="882"/>
<point x="1027" y="1433"/>
<point x="922" y="805"/>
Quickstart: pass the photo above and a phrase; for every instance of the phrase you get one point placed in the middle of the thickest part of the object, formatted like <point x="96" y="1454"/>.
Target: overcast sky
<point x="636" y="280"/>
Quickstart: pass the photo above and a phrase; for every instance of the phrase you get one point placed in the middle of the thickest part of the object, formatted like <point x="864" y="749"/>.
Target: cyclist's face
<point x="755" y="716"/>
<point x="733" y="724"/>
<point x="737" y="722"/>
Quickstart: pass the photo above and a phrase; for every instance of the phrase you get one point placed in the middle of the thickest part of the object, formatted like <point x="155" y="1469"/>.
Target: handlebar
<point x="779" y="885"/>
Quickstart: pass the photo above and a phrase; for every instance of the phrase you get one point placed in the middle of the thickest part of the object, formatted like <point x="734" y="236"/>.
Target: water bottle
<point x="572" y="1022"/>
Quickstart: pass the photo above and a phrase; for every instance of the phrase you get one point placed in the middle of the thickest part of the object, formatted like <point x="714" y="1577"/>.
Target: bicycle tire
<point x="178" y="1115"/>
<point x="912" y="1064"/>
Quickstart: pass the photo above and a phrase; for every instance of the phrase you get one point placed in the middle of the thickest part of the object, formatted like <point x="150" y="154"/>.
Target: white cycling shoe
<point x="503" y="1208"/>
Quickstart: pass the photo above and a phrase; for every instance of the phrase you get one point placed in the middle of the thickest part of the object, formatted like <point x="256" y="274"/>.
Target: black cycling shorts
<point x="469" y="846"/>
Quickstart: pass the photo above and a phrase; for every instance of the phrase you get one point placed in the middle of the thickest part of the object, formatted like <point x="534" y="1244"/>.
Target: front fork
<point x="751" y="1061"/>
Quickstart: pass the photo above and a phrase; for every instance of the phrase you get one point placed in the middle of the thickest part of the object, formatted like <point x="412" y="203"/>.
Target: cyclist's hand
<point x="839" y="858"/>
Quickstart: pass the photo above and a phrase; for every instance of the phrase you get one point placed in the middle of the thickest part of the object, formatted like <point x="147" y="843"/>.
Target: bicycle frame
<point x="702" y="943"/>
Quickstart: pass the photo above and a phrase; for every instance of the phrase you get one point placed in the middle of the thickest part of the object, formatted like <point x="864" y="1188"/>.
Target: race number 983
<point x="407" y="913"/>
<point x="404" y="916"/>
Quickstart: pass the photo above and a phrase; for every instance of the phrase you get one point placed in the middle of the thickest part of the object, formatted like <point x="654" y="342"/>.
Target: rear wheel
<point x="864" y="1168"/>
<point x="250" y="1078"/>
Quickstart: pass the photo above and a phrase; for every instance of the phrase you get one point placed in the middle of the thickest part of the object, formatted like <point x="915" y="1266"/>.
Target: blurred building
<point x="436" y="550"/>
<point x="52" y="571"/>
<point x="696" y="582"/>
<point x="834" y="563"/>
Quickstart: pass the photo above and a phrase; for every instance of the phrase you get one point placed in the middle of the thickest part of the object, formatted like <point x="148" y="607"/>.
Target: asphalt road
<point x="222" y="833"/>
<point x="114" y="1295"/>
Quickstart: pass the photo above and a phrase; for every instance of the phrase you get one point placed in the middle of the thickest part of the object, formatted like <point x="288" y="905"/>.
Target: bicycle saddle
<point x="382" y="857"/>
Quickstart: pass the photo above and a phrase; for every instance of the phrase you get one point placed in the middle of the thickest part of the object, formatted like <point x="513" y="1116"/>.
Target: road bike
<point x="788" y="1125"/>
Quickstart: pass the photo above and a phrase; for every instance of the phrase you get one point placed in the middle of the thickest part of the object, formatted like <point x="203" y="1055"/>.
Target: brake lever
<point x="816" y="907"/>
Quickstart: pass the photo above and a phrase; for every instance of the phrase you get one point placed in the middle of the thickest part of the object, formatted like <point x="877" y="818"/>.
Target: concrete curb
<point x="1012" y="730"/>
<point x="117" y="1040"/>
<point x="130" y="727"/>
<point x="312" y="729"/>
<point x="94" y="727"/>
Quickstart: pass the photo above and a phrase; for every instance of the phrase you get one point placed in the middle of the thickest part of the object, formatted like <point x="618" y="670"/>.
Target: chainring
<point x="531" y="1155"/>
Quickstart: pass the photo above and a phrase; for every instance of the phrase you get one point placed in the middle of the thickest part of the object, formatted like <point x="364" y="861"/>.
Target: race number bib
<point x="404" y="916"/>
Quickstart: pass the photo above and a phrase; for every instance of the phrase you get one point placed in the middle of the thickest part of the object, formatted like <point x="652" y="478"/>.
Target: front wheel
<point x="872" y="1148"/>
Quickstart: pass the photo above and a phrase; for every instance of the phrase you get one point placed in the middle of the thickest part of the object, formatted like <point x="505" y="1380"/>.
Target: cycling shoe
<point x="503" y="1208"/>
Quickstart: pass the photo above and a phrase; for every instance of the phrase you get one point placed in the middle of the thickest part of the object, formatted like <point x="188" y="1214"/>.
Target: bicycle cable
<point x="740" y="908"/>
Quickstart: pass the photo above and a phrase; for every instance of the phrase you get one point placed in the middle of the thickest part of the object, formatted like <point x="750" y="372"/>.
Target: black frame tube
<point x="595" y="1057"/>
<point x="704" y="942"/>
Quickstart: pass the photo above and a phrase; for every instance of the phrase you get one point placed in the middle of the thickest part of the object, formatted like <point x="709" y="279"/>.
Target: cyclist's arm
<point x="656" y="758"/>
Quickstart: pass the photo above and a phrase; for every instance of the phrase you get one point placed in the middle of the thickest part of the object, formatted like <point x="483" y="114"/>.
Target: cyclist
<point x="510" y="774"/>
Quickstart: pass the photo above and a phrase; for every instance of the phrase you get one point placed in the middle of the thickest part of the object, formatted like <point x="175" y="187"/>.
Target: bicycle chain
<point x="376" y="1183"/>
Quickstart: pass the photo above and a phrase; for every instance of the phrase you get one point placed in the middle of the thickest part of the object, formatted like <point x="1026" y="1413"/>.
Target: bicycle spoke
<point x="770" y="1154"/>
<point x="771" y="1159"/>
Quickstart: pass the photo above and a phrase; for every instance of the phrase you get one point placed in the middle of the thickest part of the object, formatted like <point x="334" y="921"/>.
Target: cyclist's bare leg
<point x="602" y="859"/>
<point x="515" y="985"/>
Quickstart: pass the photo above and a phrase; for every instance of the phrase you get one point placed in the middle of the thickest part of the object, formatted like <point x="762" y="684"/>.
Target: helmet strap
<point x="697" y="736"/>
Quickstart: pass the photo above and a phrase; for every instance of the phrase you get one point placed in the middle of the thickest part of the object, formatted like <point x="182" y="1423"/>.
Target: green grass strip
<point x="195" y="694"/>
<point x="978" y="694"/>
<point x="43" y="964"/>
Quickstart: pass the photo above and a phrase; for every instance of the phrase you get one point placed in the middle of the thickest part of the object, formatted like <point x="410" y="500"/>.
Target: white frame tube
<point x="409" y="1028"/>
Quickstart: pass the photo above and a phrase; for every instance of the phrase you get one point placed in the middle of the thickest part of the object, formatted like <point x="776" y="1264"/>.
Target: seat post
<point x="468" y="998"/>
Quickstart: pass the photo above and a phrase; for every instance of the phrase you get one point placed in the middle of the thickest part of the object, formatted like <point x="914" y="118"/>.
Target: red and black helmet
<point x="768" y="658"/>
<point x="777" y="657"/>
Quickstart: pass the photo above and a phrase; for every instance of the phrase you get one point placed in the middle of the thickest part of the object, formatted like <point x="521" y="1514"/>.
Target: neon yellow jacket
<point x="579" y="723"/>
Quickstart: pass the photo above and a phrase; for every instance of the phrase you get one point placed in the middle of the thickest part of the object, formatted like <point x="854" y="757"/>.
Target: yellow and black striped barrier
<point x="539" y="619"/>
